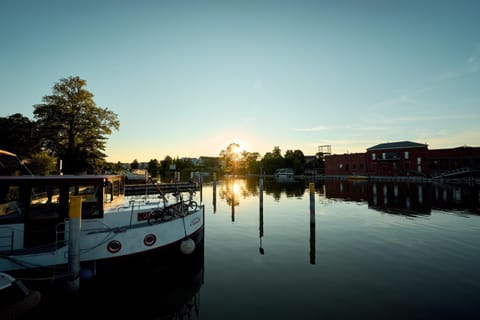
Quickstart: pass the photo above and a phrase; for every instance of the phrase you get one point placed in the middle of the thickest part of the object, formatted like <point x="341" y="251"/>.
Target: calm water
<point x="383" y="251"/>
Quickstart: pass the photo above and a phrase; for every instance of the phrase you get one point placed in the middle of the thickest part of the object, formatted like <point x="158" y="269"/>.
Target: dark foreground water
<point x="368" y="251"/>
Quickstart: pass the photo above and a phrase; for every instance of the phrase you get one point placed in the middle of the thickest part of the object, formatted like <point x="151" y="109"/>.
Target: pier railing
<point x="142" y="189"/>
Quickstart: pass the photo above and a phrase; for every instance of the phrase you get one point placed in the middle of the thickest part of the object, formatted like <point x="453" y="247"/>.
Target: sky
<point x="187" y="78"/>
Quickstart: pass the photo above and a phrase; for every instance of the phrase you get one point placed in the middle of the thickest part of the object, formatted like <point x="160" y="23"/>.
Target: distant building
<point x="397" y="159"/>
<point x="349" y="164"/>
<point x="405" y="158"/>
<point x="445" y="161"/>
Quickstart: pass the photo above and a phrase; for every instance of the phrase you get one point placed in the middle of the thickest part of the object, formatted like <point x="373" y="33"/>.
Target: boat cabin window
<point x="10" y="204"/>
<point x="90" y="199"/>
<point x="45" y="201"/>
<point x="113" y="190"/>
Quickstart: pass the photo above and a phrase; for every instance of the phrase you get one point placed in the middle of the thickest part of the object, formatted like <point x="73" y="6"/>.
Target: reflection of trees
<point x="291" y="189"/>
<point x="232" y="189"/>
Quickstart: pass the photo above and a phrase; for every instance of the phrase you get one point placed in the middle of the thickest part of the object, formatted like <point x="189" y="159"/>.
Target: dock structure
<point x="141" y="189"/>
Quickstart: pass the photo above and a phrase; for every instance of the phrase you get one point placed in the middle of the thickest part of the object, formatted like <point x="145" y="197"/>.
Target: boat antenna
<point x="7" y="153"/>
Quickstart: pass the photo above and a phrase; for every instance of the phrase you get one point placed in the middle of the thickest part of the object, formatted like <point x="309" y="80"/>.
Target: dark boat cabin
<point x="42" y="202"/>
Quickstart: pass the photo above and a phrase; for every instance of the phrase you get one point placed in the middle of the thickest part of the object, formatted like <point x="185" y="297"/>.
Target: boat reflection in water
<point x="153" y="290"/>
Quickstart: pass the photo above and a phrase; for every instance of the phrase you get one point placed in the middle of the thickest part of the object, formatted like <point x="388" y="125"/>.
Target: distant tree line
<point x="69" y="132"/>
<point x="231" y="161"/>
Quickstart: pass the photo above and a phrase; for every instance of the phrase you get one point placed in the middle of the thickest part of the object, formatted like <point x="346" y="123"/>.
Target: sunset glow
<point x="188" y="79"/>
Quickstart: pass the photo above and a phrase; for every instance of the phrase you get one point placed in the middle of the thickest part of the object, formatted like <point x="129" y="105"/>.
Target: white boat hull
<point x="99" y="241"/>
<point x="105" y="226"/>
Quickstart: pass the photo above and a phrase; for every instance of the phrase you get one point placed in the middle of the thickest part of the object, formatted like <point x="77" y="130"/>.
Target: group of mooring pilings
<point x="261" y="231"/>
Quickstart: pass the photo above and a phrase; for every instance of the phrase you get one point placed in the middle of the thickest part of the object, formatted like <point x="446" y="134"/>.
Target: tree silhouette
<point x="72" y="127"/>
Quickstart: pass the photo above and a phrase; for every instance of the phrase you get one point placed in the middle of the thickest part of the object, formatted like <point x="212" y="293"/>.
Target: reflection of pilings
<point x="385" y="195"/>
<point x="420" y="194"/>
<point x="233" y="206"/>
<point x="214" y="192"/>
<point x="260" y="191"/>
<point x="260" y="228"/>
<point x="312" y="223"/>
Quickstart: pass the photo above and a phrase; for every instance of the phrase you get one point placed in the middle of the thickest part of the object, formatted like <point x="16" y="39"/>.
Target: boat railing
<point x="141" y="203"/>
<point x="60" y="235"/>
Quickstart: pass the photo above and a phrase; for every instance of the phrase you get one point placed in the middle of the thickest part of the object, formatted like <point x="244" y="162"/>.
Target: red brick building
<point x="397" y="159"/>
<point x="404" y="158"/>
<point x="345" y="164"/>
<point x="454" y="159"/>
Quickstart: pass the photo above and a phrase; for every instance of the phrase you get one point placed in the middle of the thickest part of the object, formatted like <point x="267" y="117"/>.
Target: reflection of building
<point x="400" y="198"/>
<point x="346" y="190"/>
<point x="406" y="198"/>
<point x="405" y="158"/>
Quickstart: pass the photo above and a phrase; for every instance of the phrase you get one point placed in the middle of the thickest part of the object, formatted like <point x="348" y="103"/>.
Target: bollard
<point x="75" y="214"/>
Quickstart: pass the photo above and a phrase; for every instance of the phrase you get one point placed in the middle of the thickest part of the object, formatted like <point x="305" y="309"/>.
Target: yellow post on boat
<point x="75" y="214"/>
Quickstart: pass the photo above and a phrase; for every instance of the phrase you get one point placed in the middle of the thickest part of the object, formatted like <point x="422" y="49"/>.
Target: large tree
<point x="72" y="127"/>
<point x="230" y="156"/>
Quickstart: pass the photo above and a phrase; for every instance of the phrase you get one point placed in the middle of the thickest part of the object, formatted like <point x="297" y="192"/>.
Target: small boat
<point x="15" y="298"/>
<point x="284" y="174"/>
<point x="39" y="216"/>
<point x="137" y="176"/>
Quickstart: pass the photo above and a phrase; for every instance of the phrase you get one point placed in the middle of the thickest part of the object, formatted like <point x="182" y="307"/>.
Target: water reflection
<point x="153" y="289"/>
<point x="260" y="216"/>
<point x="406" y="198"/>
<point x="390" y="197"/>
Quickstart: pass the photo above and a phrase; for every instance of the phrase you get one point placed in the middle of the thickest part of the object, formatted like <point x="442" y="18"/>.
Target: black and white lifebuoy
<point x="114" y="246"/>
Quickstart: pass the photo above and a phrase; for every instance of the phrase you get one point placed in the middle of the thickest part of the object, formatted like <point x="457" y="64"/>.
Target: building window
<point x="340" y="165"/>
<point x="384" y="156"/>
<point x="374" y="157"/>
<point x="406" y="155"/>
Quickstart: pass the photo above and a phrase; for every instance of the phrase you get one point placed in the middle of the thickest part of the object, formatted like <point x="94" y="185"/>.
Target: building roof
<point x="397" y="145"/>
